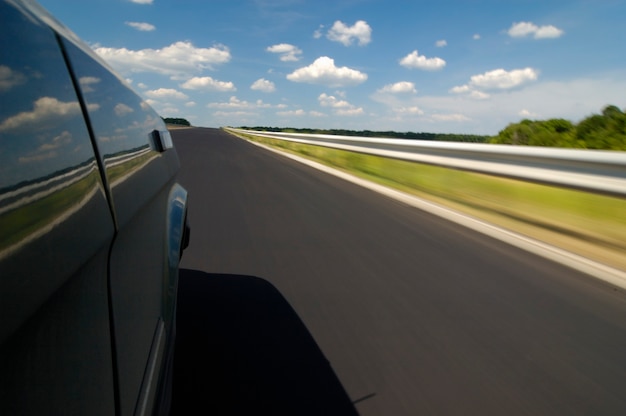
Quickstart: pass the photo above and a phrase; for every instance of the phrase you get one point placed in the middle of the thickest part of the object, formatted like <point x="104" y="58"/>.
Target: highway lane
<point x="416" y="315"/>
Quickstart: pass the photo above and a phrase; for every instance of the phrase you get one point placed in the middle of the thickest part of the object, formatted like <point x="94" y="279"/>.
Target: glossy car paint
<point x="92" y="224"/>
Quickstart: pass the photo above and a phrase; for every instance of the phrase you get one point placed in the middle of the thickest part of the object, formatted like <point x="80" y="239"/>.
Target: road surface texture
<point x="304" y="294"/>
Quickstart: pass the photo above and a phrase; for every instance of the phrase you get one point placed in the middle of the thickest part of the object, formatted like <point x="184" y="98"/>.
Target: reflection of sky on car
<point x="41" y="125"/>
<point x="39" y="132"/>
<point x="118" y="126"/>
<point x="42" y="130"/>
<point x="46" y="154"/>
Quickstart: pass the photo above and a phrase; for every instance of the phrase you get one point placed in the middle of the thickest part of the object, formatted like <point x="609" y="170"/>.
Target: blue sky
<point x="446" y="66"/>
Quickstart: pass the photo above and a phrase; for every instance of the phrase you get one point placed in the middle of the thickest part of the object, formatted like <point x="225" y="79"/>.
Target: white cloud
<point x="61" y="140"/>
<point x="461" y="89"/>
<point x="263" y="85"/>
<point x="341" y="107"/>
<point x="141" y="26"/>
<point x="122" y="109"/>
<point x="166" y="93"/>
<point x="547" y="32"/>
<point x="323" y="71"/>
<point x="573" y="100"/>
<point x="413" y="110"/>
<point x="441" y="43"/>
<point x="177" y="59"/>
<point x="261" y="104"/>
<point x="498" y="79"/>
<point x="10" y="78"/>
<point x="479" y="95"/>
<point x="331" y="101"/>
<point x="48" y="150"/>
<point x="476" y="36"/>
<point x="523" y="29"/>
<point x="87" y="83"/>
<point x="318" y="33"/>
<point x="399" y="88"/>
<point x="350" y="112"/>
<point x="190" y="104"/>
<point x="360" y="31"/>
<point x="527" y="114"/>
<point x="287" y="52"/>
<point x="236" y="103"/>
<point x="142" y="1"/>
<point x="292" y="113"/>
<point x="233" y="103"/>
<point x="415" y="60"/>
<point x="45" y="110"/>
<point x="467" y="89"/>
<point x="208" y="84"/>
<point x="501" y="79"/>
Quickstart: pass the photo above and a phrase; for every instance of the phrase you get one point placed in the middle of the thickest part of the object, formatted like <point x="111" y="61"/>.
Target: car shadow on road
<point x="241" y="349"/>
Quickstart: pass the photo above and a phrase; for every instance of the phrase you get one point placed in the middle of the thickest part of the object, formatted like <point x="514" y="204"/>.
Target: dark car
<point x="92" y="227"/>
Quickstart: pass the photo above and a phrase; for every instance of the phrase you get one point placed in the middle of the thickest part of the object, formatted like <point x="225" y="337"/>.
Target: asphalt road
<point x="290" y="269"/>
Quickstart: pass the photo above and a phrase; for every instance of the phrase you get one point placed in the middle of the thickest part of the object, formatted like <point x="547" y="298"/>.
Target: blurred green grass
<point x="591" y="225"/>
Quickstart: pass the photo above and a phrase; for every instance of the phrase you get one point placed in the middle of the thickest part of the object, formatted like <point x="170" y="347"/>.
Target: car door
<point x="140" y="165"/>
<point x="92" y="224"/>
<point x="56" y="229"/>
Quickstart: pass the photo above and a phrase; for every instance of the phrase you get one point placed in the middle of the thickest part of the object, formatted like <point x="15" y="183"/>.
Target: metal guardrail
<point x="35" y="191"/>
<point x="595" y="171"/>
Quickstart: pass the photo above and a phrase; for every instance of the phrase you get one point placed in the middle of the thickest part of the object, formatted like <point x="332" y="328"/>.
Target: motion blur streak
<point x="415" y="314"/>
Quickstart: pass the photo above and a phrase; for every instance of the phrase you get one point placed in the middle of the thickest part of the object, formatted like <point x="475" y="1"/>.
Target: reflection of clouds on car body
<point x="87" y="82"/>
<point x="10" y="78"/>
<point x="88" y="196"/>
<point x="46" y="110"/>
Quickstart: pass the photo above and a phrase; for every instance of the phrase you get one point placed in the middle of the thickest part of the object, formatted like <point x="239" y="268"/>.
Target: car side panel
<point x="56" y="229"/>
<point x="141" y="176"/>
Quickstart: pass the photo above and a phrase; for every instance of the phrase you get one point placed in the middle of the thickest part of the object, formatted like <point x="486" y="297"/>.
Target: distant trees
<point x="605" y="131"/>
<point x="555" y="132"/>
<point x="386" y="134"/>
<point x="177" y="121"/>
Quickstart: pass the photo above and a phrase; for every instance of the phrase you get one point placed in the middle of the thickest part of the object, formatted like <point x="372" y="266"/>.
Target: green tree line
<point x="384" y="134"/>
<point x="177" y="121"/>
<point x="605" y="131"/>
